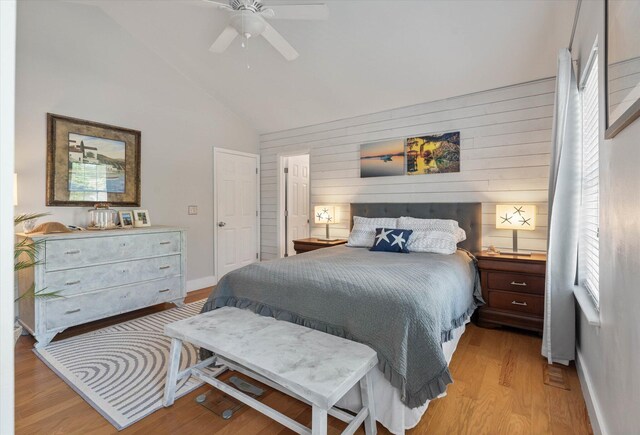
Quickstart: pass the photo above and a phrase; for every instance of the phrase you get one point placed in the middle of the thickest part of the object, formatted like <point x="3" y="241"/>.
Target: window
<point x="588" y="270"/>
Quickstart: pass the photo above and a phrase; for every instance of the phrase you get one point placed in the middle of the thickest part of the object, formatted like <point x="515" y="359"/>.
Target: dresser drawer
<point x="519" y="302"/>
<point x="74" y="310"/>
<point x="71" y="282"/>
<point x="515" y="282"/>
<point x="73" y="253"/>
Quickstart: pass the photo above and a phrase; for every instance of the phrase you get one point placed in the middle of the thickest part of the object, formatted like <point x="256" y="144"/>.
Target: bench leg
<point x="366" y="392"/>
<point x="172" y="373"/>
<point x="318" y="421"/>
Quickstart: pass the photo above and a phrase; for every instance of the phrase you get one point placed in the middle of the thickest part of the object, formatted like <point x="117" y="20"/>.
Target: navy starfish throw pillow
<point x="391" y="240"/>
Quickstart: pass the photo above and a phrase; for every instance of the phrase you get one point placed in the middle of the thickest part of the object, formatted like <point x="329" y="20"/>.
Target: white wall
<point x="74" y="60"/>
<point x="505" y="144"/>
<point x="7" y="319"/>
<point x="610" y="354"/>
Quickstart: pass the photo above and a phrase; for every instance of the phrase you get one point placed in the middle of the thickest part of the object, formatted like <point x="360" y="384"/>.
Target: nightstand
<point x="513" y="288"/>
<point x="311" y="244"/>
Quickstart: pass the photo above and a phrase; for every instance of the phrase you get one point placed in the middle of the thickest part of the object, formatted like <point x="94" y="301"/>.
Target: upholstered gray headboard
<point x="468" y="215"/>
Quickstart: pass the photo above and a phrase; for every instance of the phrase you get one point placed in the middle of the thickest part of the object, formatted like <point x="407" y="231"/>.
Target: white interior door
<point x="236" y="210"/>
<point x="297" y="200"/>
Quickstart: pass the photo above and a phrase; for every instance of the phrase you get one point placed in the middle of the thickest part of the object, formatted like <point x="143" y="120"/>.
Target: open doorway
<point x="293" y="204"/>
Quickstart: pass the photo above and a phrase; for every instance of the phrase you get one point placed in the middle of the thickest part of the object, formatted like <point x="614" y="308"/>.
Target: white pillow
<point x="440" y="236"/>
<point x="363" y="233"/>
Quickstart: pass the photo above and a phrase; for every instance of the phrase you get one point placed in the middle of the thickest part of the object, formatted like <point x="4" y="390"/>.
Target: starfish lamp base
<point x="515" y="247"/>
<point x="327" y="239"/>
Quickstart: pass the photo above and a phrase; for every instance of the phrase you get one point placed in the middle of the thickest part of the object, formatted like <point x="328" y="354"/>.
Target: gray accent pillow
<point x="364" y="230"/>
<point x="440" y="236"/>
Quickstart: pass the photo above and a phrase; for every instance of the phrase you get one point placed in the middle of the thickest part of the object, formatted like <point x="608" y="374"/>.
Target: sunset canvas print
<point x="433" y="154"/>
<point x="382" y="159"/>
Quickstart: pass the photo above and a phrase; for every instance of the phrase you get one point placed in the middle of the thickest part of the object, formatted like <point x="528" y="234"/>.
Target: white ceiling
<point x="368" y="57"/>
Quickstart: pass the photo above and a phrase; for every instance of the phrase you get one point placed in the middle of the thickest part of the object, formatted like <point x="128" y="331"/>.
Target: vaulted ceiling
<point x="368" y="56"/>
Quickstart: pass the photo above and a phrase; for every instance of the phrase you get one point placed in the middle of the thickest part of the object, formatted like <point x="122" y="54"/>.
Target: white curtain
<point x="558" y="343"/>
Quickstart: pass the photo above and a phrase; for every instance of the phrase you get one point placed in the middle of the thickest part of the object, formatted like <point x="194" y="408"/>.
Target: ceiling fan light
<point x="248" y="24"/>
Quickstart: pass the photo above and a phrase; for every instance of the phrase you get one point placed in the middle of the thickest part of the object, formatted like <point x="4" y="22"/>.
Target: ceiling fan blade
<point x="267" y="13"/>
<point x="300" y="12"/>
<point x="216" y="4"/>
<point x="279" y="43"/>
<point x="224" y="40"/>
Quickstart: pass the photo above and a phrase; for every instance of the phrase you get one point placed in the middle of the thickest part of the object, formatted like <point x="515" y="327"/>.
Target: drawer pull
<point x="521" y="284"/>
<point x="165" y="290"/>
<point x="164" y="267"/>
<point x="165" y="243"/>
<point x="522" y="304"/>
<point x="72" y="282"/>
<point x="77" y="310"/>
<point x="75" y="251"/>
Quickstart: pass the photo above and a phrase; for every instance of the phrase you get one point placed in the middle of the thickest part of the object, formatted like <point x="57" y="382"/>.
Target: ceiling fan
<point x="248" y="18"/>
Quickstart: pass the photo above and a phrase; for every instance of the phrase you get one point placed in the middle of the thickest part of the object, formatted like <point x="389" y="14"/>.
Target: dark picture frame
<point x="615" y="126"/>
<point x="90" y="162"/>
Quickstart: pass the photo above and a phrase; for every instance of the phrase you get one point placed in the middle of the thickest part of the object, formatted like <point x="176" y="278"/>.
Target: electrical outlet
<point x="193" y="210"/>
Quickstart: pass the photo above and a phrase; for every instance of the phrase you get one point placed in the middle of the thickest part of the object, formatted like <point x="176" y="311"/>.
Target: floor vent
<point x="556" y="376"/>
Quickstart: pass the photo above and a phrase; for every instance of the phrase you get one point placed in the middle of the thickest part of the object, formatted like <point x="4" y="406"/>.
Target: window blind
<point x="589" y="269"/>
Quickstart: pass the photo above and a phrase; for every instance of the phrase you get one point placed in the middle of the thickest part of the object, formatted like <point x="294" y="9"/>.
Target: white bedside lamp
<point x="326" y="214"/>
<point x="516" y="217"/>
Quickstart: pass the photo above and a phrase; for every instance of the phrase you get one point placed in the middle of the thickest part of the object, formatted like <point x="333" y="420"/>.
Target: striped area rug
<point x="120" y="370"/>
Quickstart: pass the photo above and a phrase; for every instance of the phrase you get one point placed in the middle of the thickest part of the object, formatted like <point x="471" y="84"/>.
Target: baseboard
<point x="590" y="399"/>
<point x="200" y="283"/>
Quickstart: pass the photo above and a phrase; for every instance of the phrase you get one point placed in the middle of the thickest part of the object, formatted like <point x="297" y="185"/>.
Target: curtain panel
<point x="558" y="343"/>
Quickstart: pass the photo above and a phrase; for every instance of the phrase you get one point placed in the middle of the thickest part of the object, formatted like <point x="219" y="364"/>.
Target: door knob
<point x="221" y="224"/>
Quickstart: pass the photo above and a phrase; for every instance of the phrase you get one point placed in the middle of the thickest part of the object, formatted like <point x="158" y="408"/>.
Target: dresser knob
<point x="73" y="311"/>
<point x="76" y="251"/>
<point x="72" y="282"/>
<point x="164" y="267"/>
<point x="521" y="304"/>
<point x="164" y="291"/>
<point x="521" y="284"/>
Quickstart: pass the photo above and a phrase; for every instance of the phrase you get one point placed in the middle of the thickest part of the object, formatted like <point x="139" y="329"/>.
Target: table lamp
<point x="516" y="217"/>
<point x="326" y="214"/>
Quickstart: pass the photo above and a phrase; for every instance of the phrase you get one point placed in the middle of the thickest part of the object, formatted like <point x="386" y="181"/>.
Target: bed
<point x="410" y="308"/>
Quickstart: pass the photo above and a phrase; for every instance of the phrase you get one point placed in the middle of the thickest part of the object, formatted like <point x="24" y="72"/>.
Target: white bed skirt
<point x="390" y="411"/>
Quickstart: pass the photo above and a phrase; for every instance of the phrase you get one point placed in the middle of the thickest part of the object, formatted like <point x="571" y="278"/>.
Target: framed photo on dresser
<point x="141" y="218"/>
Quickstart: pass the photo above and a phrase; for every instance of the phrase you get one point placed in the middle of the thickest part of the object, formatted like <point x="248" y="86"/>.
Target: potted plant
<point x="25" y="256"/>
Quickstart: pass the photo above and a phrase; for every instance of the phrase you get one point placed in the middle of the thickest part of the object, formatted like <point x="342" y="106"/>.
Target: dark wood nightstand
<point x="311" y="244"/>
<point x="513" y="288"/>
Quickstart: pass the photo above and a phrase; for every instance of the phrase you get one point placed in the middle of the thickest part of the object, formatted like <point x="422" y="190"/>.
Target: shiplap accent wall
<point x="505" y="139"/>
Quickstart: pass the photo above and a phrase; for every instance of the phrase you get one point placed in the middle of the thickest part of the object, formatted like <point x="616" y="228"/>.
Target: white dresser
<point x="100" y="274"/>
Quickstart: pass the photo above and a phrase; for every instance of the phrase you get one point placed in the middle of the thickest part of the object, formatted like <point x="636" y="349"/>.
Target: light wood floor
<point x="498" y="389"/>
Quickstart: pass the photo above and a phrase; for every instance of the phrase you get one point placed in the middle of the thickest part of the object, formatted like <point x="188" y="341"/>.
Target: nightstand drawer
<point x="517" y="302"/>
<point x="516" y="282"/>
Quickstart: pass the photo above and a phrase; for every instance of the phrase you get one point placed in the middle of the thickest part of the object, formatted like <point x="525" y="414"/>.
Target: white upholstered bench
<point x="309" y="365"/>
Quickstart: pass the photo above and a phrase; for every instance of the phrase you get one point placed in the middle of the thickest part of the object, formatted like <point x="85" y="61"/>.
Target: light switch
<point x="193" y="209"/>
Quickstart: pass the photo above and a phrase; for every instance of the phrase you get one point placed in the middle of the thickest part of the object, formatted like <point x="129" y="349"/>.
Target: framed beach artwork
<point x="382" y="159"/>
<point x="433" y="154"/>
<point x="88" y="162"/>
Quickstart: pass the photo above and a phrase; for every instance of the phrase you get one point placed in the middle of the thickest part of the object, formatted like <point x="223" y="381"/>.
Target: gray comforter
<point x="402" y="305"/>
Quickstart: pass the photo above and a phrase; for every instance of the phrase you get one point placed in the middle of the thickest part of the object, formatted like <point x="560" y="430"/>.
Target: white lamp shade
<point x="15" y="189"/>
<point x="325" y="214"/>
<point x="516" y="217"/>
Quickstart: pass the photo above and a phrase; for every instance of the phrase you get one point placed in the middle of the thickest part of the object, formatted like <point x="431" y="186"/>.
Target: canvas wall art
<point x="88" y="162"/>
<point x="433" y="154"/>
<point x="382" y="159"/>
